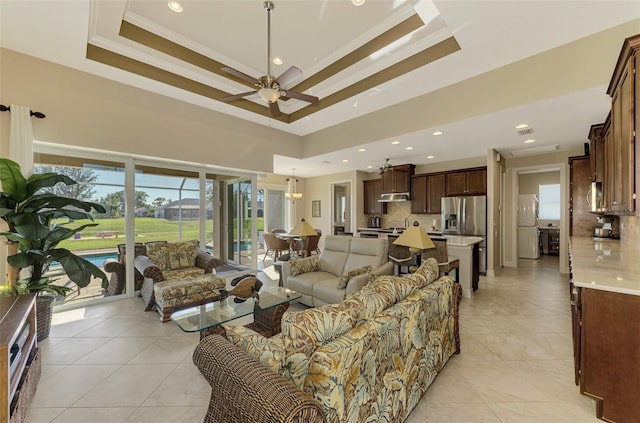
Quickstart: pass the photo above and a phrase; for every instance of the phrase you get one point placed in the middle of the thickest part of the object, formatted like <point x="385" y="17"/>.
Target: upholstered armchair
<point x="168" y="261"/>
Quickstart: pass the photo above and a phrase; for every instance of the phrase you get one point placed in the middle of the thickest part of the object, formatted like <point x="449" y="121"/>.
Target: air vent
<point x="326" y="162"/>
<point x="525" y="131"/>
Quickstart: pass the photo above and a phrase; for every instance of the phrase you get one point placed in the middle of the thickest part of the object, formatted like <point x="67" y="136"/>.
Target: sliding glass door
<point x="238" y="222"/>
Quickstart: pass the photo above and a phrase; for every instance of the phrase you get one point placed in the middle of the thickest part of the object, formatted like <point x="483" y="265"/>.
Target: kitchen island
<point x="605" y="305"/>
<point x="467" y="250"/>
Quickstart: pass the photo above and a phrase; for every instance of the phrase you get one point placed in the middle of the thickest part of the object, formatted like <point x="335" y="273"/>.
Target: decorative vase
<point x="44" y="313"/>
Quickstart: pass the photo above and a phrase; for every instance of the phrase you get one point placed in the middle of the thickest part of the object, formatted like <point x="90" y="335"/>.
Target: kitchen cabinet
<point x="419" y="194"/>
<point x="397" y="179"/>
<point x="596" y="151"/>
<point x="372" y="191"/>
<point x="435" y="192"/>
<point x="620" y="152"/>
<point x="581" y="221"/>
<point x="467" y="182"/>
<point x="605" y="348"/>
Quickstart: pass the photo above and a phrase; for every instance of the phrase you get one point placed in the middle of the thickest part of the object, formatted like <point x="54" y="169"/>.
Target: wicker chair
<point x="117" y="269"/>
<point x="441" y="254"/>
<point x="275" y="245"/>
<point x="310" y="247"/>
<point x="399" y="255"/>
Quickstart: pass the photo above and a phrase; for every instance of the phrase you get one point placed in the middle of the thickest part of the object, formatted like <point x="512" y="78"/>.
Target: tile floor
<point x="114" y="363"/>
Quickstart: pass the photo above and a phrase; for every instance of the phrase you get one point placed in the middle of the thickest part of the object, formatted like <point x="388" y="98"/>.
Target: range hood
<point x="396" y="196"/>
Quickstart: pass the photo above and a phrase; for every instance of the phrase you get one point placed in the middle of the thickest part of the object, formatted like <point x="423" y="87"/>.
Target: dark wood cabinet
<point x="419" y="194"/>
<point x="468" y="182"/>
<point x="372" y="192"/>
<point x="397" y="179"/>
<point x="606" y="340"/>
<point x="581" y="221"/>
<point x="596" y="152"/>
<point x="620" y="152"/>
<point x="435" y="192"/>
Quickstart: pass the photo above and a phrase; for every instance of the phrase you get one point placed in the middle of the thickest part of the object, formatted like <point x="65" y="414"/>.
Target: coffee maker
<point x="374" y="222"/>
<point x="606" y="230"/>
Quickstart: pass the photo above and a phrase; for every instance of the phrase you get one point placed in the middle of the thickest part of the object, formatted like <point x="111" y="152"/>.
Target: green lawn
<point x="146" y="228"/>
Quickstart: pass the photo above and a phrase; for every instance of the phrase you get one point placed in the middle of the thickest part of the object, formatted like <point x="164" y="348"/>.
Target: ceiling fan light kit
<point x="269" y="88"/>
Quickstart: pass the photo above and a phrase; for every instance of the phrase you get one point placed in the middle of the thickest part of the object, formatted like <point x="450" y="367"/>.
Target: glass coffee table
<point x="267" y="313"/>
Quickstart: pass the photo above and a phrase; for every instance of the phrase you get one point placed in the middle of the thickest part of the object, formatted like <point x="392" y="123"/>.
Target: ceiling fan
<point x="270" y="88"/>
<point x="385" y="167"/>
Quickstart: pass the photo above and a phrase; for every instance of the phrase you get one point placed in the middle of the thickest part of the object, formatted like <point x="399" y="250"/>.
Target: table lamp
<point x="417" y="240"/>
<point x="303" y="229"/>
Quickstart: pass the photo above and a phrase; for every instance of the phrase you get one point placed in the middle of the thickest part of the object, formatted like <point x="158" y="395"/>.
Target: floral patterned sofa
<point x="370" y="357"/>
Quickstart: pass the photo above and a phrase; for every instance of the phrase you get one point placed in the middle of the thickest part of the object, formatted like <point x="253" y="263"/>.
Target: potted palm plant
<point x="33" y="235"/>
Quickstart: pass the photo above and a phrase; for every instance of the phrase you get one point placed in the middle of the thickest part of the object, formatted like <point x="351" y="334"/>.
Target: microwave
<point x="594" y="197"/>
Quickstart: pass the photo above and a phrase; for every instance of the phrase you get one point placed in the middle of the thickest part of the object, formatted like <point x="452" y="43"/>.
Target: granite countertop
<point x="462" y="241"/>
<point x="609" y="265"/>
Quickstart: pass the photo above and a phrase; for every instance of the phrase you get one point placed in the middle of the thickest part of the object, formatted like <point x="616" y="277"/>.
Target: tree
<point x="160" y="201"/>
<point x="82" y="190"/>
<point x="140" y="199"/>
<point x="114" y="202"/>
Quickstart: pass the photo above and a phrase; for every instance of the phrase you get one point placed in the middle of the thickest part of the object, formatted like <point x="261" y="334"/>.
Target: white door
<point x="528" y="243"/>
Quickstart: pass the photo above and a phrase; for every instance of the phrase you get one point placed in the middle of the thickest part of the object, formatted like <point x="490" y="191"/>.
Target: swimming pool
<point x="95" y="258"/>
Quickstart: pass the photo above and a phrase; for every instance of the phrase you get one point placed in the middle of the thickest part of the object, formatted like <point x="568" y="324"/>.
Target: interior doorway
<point x="341" y="208"/>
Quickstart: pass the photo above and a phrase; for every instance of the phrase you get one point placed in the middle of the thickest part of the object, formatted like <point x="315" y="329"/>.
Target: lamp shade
<point x="415" y="237"/>
<point x="303" y="228"/>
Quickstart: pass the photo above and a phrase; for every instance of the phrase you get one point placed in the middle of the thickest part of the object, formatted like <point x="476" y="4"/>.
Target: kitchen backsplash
<point x="630" y="229"/>
<point x="398" y="212"/>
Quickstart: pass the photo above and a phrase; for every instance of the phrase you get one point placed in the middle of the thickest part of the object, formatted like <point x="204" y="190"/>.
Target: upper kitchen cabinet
<point x="397" y="179"/>
<point x="372" y="192"/>
<point x="620" y="154"/>
<point x="419" y="194"/>
<point x="596" y="152"/>
<point x="435" y="192"/>
<point x="467" y="182"/>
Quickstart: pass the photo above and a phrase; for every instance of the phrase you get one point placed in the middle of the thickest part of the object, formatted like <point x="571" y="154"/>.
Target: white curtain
<point x="21" y="138"/>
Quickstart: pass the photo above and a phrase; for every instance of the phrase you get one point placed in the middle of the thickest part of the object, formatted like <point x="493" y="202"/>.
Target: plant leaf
<point x="45" y="180"/>
<point x="78" y="269"/>
<point x="13" y="183"/>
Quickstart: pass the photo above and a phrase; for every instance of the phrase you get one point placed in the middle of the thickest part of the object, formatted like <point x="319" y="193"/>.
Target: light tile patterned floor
<point x="115" y="363"/>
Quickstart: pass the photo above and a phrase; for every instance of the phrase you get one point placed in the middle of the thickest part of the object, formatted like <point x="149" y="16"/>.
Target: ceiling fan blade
<point x="274" y="108"/>
<point x="300" y="96"/>
<point x="240" y="75"/>
<point x="288" y="76"/>
<point x="237" y="96"/>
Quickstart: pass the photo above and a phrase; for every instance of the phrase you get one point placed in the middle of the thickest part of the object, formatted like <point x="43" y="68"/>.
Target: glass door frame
<point x="228" y="228"/>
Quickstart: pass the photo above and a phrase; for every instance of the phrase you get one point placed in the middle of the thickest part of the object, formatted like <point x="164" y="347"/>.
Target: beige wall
<point x="529" y="182"/>
<point x="319" y="188"/>
<point x="94" y="112"/>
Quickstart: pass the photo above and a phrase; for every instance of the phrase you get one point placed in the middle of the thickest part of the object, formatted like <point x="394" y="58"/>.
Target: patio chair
<point x="275" y="245"/>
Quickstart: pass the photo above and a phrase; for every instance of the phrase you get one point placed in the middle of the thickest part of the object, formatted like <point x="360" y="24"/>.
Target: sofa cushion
<point x="268" y="351"/>
<point x="429" y="269"/>
<point x="304" y="283"/>
<point x="334" y="255"/>
<point x="325" y="292"/>
<point x="173" y="255"/>
<point x="366" y="252"/>
<point x="303" y="265"/>
<point x="346" y="276"/>
<point x="189" y="272"/>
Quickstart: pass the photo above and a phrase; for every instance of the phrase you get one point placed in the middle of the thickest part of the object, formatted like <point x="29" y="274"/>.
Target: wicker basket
<point x="44" y="312"/>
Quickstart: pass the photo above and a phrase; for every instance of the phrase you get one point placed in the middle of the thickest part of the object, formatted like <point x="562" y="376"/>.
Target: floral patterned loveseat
<point x="369" y="358"/>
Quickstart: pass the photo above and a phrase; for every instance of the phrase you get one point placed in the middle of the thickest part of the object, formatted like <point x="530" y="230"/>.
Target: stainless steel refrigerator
<point x="467" y="216"/>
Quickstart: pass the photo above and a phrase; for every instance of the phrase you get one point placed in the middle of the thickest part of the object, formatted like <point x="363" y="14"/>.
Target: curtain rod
<point x="39" y="115"/>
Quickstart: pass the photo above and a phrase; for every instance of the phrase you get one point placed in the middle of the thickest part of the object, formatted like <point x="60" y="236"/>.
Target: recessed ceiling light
<point x="522" y="126"/>
<point x="175" y="6"/>
<point x="408" y="148"/>
<point x="362" y="149"/>
<point x="277" y="61"/>
<point x="431" y="157"/>
<point x="369" y="167"/>
<point x="396" y="142"/>
<point x="436" y="133"/>
<point x="345" y="161"/>
<point x="358" y="2"/>
<point x="529" y="141"/>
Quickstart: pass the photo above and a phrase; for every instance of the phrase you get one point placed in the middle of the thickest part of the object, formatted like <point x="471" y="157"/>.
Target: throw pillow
<point x="303" y="265"/>
<point x="160" y="257"/>
<point x="346" y="277"/>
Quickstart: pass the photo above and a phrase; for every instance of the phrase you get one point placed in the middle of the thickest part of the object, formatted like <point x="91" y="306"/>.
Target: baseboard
<point x="510" y="264"/>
